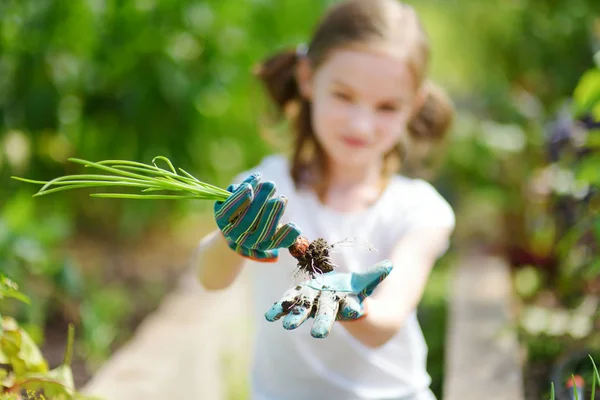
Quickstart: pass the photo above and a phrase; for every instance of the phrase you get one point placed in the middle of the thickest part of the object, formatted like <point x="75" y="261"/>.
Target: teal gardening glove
<point x="327" y="298"/>
<point x="249" y="220"/>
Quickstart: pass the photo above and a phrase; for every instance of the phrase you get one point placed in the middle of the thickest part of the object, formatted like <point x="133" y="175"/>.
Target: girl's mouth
<point x="354" y="142"/>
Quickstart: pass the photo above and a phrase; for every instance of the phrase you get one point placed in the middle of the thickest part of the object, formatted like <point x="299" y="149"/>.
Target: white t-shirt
<point x="292" y="365"/>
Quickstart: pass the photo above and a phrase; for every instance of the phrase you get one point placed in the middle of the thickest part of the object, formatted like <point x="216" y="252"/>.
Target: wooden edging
<point x="482" y="360"/>
<point x="179" y="351"/>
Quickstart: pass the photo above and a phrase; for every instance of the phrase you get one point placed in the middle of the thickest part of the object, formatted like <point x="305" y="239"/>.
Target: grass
<point x="595" y="384"/>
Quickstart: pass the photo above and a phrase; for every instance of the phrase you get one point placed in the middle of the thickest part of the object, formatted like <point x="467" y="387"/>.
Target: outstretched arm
<point x="216" y="265"/>
<point x="389" y="306"/>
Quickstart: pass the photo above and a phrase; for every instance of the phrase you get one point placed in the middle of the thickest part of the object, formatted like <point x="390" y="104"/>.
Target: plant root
<point x="313" y="257"/>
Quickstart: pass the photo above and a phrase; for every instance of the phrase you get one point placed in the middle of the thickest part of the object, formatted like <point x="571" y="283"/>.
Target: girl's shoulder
<point x="274" y="168"/>
<point x="414" y="189"/>
<point x="419" y="203"/>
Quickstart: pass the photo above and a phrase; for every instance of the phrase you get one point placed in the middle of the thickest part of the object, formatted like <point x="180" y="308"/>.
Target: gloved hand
<point x="249" y="220"/>
<point x="327" y="298"/>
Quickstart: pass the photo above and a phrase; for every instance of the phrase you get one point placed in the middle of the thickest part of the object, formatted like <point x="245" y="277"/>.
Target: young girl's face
<point x="362" y="101"/>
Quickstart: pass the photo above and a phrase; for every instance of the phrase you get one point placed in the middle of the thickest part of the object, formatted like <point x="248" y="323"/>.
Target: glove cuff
<point x="365" y="310"/>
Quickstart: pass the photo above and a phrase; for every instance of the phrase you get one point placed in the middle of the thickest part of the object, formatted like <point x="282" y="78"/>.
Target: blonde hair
<point x="349" y="23"/>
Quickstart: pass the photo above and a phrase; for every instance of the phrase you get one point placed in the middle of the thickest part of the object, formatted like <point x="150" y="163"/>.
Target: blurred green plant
<point x="433" y="317"/>
<point x="570" y="185"/>
<point x="31" y="251"/>
<point x="23" y="370"/>
<point x="131" y="80"/>
<point x="126" y="80"/>
<point x="559" y="282"/>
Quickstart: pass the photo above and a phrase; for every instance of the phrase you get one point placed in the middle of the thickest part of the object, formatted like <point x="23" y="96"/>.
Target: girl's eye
<point x="388" y="108"/>
<point x="341" y="96"/>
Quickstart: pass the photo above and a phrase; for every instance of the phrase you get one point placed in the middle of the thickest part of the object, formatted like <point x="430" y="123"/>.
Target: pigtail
<point x="427" y="133"/>
<point x="433" y="118"/>
<point x="277" y="74"/>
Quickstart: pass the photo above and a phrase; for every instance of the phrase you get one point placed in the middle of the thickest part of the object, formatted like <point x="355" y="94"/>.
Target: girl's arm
<point x="217" y="266"/>
<point x="396" y="297"/>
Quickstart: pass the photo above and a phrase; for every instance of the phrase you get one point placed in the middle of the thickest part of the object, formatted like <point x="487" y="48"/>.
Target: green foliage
<point x="563" y="284"/>
<point x="22" y="366"/>
<point x="10" y="290"/>
<point x="120" y="80"/>
<point x="433" y="315"/>
<point x="103" y="314"/>
<point x="31" y="252"/>
<point x="141" y="78"/>
<point x="587" y="94"/>
<point x="527" y="59"/>
<point x="128" y="80"/>
<point x="577" y="233"/>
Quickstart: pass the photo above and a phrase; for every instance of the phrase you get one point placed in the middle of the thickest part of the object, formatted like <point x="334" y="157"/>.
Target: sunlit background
<point x="109" y="79"/>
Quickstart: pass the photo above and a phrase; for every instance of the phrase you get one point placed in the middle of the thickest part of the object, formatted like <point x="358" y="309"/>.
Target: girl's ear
<point x="304" y="78"/>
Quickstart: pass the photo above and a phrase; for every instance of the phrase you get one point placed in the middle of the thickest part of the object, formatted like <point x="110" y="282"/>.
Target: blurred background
<point x="109" y="79"/>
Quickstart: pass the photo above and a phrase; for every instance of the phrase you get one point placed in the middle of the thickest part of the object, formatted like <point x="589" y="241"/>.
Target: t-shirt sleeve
<point x="429" y="209"/>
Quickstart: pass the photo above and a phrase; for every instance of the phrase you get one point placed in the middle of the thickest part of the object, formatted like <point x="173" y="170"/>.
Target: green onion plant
<point x="153" y="181"/>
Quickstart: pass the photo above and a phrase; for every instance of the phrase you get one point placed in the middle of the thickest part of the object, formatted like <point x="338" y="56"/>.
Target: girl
<point x="357" y="96"/>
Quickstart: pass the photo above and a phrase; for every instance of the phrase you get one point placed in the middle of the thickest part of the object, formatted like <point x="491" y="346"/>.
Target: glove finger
<point x="230" y="210"/>
<point x="246" y="224"/>
<point x="325" y="315"/>
<point x="350" y="308"/>
<point x="284" y="237"/>
<point x="284" y="305"/>
<point x="252" y="180"/>
<point x="365" y="283"/>
<point x="298" y="314"/>
<point x="265" y="225"/>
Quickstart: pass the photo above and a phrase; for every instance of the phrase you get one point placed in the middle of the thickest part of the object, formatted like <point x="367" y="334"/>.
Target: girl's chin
<point x="353" y="161"/>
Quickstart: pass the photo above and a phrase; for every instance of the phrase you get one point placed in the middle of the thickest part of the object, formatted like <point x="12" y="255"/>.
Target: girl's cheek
<point x="391" y="123"/>
<point x="392" y="129"/>
<point x="324" y="119"/>
<point x="335" y="113"/>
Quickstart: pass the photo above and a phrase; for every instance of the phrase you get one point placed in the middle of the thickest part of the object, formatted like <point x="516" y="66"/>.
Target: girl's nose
<point x="362" y="122"/>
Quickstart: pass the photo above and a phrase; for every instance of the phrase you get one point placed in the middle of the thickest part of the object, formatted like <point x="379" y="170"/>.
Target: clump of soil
<point x="291" y="305"/>
<point x="313" y="258"/>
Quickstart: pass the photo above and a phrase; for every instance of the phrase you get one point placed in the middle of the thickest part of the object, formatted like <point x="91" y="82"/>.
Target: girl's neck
<point x="351" y="189"/>
<point x="345" y="177"/>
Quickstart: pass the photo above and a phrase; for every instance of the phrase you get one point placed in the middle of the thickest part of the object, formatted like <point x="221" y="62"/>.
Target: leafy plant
<point x="559" y="279"/>
<point x="573" y="179"/>
<point x="24" y="371"/>
<point x="10" y="290"/>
